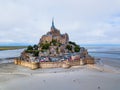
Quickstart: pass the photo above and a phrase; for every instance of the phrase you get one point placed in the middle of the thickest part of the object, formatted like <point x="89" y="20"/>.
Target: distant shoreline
<point x="11" y="47"/>
<point x="8" y="58"/>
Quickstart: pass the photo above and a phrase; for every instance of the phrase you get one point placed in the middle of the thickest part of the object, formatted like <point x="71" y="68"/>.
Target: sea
<point x="6" y="56"/>
<point x="107" y="54"/>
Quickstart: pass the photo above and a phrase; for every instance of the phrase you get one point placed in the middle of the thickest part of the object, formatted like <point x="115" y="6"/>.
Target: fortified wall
<point x="65" y="64"/>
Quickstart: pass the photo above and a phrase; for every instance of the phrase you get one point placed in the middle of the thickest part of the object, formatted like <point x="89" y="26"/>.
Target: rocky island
<point x="54" y="50"/>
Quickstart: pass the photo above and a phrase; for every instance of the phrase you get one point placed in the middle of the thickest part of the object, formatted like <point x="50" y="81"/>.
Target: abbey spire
<point x="53" y="26"/>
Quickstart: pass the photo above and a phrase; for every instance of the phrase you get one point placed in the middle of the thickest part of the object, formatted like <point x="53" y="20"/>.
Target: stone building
<point x="54" y="34"/>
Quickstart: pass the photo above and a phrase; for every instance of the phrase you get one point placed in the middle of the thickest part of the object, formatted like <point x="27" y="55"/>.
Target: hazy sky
<point x="86" y="21"/>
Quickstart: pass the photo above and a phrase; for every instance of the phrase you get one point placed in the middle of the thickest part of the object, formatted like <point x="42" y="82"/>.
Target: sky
<point x="86" y="21"/>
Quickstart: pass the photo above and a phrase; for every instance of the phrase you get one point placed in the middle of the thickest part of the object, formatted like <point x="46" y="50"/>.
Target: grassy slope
<point x="11" y="47"/>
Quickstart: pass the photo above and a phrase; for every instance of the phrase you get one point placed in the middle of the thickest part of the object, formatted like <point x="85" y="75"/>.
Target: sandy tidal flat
<point x="13" y="77"/>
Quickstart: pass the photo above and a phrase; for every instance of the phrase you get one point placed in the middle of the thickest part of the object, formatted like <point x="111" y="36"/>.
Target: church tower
<point x="54" y="31"/>
<point x="53" y="26"/>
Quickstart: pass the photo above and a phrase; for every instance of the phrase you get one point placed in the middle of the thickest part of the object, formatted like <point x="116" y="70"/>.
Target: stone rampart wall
<point x="65" y="64"/>
<point x="74" y="63"/>
<point x="50" y="64"/>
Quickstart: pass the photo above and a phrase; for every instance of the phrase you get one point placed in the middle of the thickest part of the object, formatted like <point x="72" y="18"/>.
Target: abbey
<point x="54" y="34"/>
<point x="53" y="43"/>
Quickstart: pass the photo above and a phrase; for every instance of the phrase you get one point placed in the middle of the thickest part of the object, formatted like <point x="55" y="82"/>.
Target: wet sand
<point x="97" y="77"/>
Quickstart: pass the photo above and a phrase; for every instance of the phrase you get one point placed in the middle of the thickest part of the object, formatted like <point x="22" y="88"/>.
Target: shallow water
<point x="109" y="55"/>
<point x="9" y="54"/>
<point x="105" y="51"/>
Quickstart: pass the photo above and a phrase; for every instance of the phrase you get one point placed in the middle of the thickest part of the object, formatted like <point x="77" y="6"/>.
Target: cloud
<point x="86" y="21"/>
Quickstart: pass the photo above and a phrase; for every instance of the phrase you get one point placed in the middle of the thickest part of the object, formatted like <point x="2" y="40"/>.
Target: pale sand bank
<point x="13" y="77"/>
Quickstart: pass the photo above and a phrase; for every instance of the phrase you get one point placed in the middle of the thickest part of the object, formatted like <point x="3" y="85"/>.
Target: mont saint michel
<point x="78" y="49"/>
<point x="54" y="50"/>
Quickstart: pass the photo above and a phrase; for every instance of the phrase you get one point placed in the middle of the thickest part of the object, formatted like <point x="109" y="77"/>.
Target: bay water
<point x="5" y="55"/>
<point x="107" y="54"/>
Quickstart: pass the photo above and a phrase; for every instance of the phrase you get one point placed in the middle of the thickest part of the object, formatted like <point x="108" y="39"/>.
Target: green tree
<point x="54" y="42"/>
<point x="45" y="46"/>
<point x="35" y="47"/>
<point x="29" y="51"/>
<point x="29" y="47"/>
<point x="36" y="53"/>
<point x="77" y="48"/>
<point x="69" y="47"/>
<point x="73" y="43"/>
